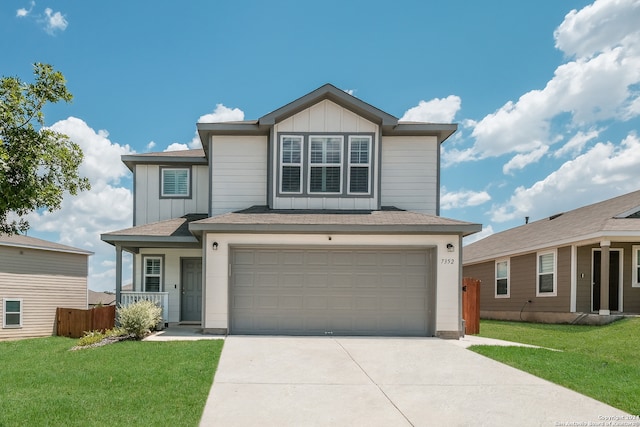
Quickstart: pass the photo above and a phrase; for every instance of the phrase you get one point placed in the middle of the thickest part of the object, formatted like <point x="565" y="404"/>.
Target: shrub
<point x="139" y="318"/>
<point x="91" y="337"/>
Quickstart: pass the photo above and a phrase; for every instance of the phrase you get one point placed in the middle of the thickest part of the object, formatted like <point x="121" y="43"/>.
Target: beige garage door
<point x="305" y="291"/>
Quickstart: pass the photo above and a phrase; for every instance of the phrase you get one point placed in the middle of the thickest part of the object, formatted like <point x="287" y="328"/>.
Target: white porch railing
<point x="160" y="298"/>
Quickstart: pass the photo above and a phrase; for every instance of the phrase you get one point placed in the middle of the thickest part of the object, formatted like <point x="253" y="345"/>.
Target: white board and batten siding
<point x="326" y="117"/>
<point x="238" y="173"/>
<point x="43" y="280"/>
<point x="150" y="207"/>
<point x="410" y="173"/>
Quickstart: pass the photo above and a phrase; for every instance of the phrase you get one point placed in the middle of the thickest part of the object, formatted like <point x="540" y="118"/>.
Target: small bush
<point x="138" y="319"/>
<point x="91" y="337"/>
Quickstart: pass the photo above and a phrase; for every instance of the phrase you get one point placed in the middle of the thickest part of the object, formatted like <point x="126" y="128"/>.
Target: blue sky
<point x="546" y="94"/>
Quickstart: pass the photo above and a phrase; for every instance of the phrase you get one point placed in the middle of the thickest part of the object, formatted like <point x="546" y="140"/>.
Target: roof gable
<point x="338" y="96"/>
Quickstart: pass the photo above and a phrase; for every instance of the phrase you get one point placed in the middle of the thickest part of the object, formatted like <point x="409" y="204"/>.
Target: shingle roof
<point x="20" y="240"/>
<point x="592" y="222"/>
<point x="176" y="229"/>
<point x="260" y="218"/>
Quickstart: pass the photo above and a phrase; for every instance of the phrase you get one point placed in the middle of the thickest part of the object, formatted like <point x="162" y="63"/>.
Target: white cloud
<point x="22" y="12"/>
<point x="176" y="146"/>
<point x="438" y="110"/>
<point x="598" y="27"/>
<point x="108" y="206"/>
<point x="220" y="114"/>
<point x="519" y="161"/>
<point x="576" y="143"/>
<point x="600" y="84"/>
<point x="150" y="145"/>
<point x="54" y="21"/>
<point x="604" y="171"/>
<point x="463" y="198"/>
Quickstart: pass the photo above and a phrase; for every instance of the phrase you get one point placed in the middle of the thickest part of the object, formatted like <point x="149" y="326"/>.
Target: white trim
<point x="145" y="258"/>
<point x="495" y="293"/>
<point x="5" y="312"/>
<point x="310" y="165"/>
<point x="359" y="165"/>
<point x="281" y="163"/>
<point x="554" y="252"/>
<point x="635" y="279"/>
<point x="620" y="276"/>
<point x="573" y="303"/>
<point x="176" y="195"/>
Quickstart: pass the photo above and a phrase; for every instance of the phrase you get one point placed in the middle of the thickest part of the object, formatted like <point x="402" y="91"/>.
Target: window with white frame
<point x="635" y="273"/>
<point x="175" y="182"/>
<point x="291" y="164"/>
<point x="546" y="285"/>
<point x="12" y="309"/>
<point x="359" y="164"/>
<point x="325" y="164"/>
<point x="502" y="279"/>
<point x="152" y="274"/>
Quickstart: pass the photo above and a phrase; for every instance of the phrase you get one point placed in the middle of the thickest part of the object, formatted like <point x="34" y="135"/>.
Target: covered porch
<point x="167" y="268"/>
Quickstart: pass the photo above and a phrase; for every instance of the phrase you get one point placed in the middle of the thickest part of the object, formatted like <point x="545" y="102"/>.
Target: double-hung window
<point x="12" y="312"/>
<point x="502" y="279"/>
<point x="175" y="182"/>
<point x="359" y="164"/>
<point x="546" y="274"/>
<point x="291" y="164"/>
<point x="635" y="273"/>
<point x="152" y="274"/>
<point x="325" y="164"/>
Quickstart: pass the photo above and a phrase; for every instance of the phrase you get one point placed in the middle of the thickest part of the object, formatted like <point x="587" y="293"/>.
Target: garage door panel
<point x="292" y="280"/>
<point x="338" y="291"/>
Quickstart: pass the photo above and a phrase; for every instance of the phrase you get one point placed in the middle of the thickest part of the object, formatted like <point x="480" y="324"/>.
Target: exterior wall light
<point x="215" y="246"/>
<point x="450" y="247"/>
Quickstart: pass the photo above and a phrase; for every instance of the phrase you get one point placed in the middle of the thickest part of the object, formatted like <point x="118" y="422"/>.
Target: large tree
<point x="37" y="165"/>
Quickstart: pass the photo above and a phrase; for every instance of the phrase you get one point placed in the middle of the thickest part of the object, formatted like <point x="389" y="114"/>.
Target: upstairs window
<point x="502" y="279"/>
<point x="291" y="164"/>
<point x="152" y="274"/>
<point x="546" y="274"/>
<point x="12" y="309"/>
<point x="359" y="164"/>
<point x="325" y="164"/>
<point x="175" y="182"/>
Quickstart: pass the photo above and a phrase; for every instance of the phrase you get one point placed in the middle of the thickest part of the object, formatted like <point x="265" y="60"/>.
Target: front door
<point x="191" y="285"/>
<point x="614" y="279"/>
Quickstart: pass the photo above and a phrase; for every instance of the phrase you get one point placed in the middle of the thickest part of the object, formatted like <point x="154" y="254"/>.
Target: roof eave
<point x="458" y="229"/>
<point x="441" y="131"/>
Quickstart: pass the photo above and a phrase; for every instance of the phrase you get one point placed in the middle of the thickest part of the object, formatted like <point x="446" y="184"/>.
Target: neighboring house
<point x="319" y="218"/>
<point x="101" y="298"/>
<point x="104" y="298"/>
<point x="583" y="261"/>
<point x="36" y="277"/>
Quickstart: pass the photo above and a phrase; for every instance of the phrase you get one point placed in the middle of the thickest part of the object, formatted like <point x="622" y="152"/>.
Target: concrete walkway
<point x="308" y="381"/>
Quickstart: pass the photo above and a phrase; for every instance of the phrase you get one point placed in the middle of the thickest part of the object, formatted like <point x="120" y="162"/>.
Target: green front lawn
<point x="602" y="362"/>
<point x="122" y="384"/>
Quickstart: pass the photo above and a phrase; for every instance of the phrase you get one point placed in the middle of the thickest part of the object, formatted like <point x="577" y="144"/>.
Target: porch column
<point x="604" y="278"/>
<point x="118" y="273"/>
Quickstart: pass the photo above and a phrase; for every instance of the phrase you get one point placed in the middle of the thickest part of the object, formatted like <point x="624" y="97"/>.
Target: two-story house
<point x="319" y="218"/>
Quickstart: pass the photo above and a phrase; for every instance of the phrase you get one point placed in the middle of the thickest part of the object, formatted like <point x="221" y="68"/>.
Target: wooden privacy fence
<point x="73" y="322"/>
<point x="471" y="305"/>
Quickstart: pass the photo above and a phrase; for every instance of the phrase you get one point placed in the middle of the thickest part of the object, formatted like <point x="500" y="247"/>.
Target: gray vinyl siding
<point x="238" y="173"/>
<point x="150" y="207"/>
<point x="44" y="280"/>
<point x="409" y="178"/>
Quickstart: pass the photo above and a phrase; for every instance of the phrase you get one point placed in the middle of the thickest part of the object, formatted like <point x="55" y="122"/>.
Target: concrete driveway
<point x="308" y="381"/>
